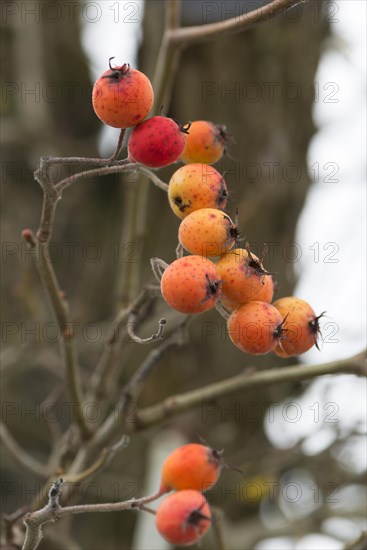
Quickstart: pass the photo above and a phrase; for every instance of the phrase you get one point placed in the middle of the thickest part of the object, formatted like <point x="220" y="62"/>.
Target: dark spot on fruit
<point x="180" y="204"/>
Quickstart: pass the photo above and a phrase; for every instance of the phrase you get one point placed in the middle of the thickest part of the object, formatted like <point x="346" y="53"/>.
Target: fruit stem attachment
<point x="179" y="250"/>
<point x="118" y="147"/>
<point x="185" y="127"/>
<point x="158" y="266"/>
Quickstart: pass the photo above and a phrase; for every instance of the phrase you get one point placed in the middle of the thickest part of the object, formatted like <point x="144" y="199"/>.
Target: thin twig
<point x="179" y="250"/>
<point x="103" y="460"/>
<point x="153" y="177"/>
<point x="19" y="455"/>
<point x="222" y="310"/>
<point x="119" y="167"/>
<point x="129" y="395"/>
<point x="35" y="521"/>
<point x="217" y="524"/>
<point x="131" y="324"/>
<point x="177" y="338"/>
<point x="118" y="146"/>
<point x="158" y="266"/>
<point x="106" y="361"/>
<point x="60" y="309"/>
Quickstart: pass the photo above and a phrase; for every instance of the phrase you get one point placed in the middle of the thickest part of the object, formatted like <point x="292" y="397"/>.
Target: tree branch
<point x="177" y="338"/>
<point x="130" y="393"/>
<point x="60" y="309"/>
<point x="35" y="521"/>
<point x="168" y="58"/>
<point x="190" y="35"/>
<point x="243" y="382"/>
<point x="20" y="455"/>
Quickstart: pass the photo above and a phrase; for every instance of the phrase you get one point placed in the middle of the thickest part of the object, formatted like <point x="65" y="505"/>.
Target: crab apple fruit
<point x="256" y="327"/>
<point x="157" y="142"/>
<point x="196" y="186"/>
<point x="122" y="97"/>
<point x="205" y="143"/>
<point x="208" y="232"/>
<point x="183" y="518"/>
<point x="191" y="466"/>
<point x="243" y="276"/>
<point x="191" y="284"/>
<point x="301" y="326"/>
<point x="265" y="294"/>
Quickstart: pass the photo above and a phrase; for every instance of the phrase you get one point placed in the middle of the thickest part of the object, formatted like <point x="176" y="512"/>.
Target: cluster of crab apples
<point x="184" y="516"/>
<point x="218" y="272"/>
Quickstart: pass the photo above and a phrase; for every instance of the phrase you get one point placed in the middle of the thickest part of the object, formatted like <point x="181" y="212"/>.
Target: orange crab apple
<point x="256" y="327"/>
<point x="191" y="284"/>
<point x="206" y="142"/>
<point x="208" y="232"/>
<point x="122" y="97"/>
<point x="183" y="518"/>
<point x="191" y="466"/>
<point x="196" y="186"/>
<point x="301" y="326"/>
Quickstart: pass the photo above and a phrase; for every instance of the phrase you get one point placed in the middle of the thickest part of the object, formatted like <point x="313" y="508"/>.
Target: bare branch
<point x="60" y="309"/>
<point x="168" y="58"/>
<point x="173" y="14"/>
<point x="153" y="177"/>
<point x="243" y="382"/>
<point x="190" y="35"/>
<point x="217" y="523"/>
<point x="176" y="38"/>
<point x="35" y="521"/>
<point x="222" y="310"/>
<point x="131" y="324"/>
<point x="158" y="266"/>
<point x="104" y="459"/>
<point x="177" y="338"/>
<point x="20" y="455"/>
<point x="119" y="167"/>
<point x="118" y="146"/>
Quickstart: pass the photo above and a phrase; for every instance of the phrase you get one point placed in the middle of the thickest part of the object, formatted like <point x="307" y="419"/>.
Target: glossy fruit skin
<point x="191" y="284"/>
<point x="196" y="186"/>
<point x="191" y="466"/>
<point x="156" y="142"/>
<point x="183" y="518"/>
<point x="255" y="327"/>
<point x="242" y="275"/>
<point x="300" y="326"/>
<point x="122" y="97"/>
<point x="208" y="232"/>
<point x="205" y="143"/>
